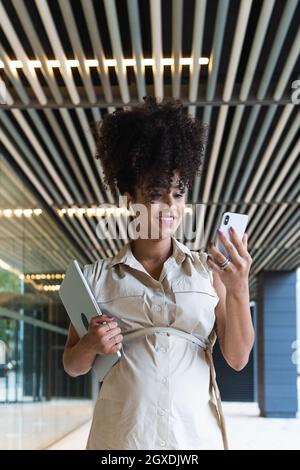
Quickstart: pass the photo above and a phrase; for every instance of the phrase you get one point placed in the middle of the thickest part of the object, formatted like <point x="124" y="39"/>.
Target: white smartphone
<point x="235" y="220"/>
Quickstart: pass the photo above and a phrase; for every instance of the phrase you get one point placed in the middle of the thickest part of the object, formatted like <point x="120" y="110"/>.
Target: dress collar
<point x="125" y="255"/>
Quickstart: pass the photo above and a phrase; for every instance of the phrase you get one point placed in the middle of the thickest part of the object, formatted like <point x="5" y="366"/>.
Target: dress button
<point x="163" y="443"/>
<point x="164" y="380"/>
<point x="158" y="308"/>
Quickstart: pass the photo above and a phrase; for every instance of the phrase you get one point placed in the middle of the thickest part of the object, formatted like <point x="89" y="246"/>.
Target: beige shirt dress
<point x="162" y="393"/>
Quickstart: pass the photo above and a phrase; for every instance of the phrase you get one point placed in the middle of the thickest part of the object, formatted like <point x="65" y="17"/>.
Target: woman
<point x="162" y="304"/>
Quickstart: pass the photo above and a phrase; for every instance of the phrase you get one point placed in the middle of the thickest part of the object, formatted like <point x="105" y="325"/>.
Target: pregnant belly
<point x="146" y="370"/>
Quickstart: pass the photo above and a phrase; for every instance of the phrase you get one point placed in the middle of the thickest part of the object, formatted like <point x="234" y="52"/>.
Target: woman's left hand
<point x="235" y="276"/>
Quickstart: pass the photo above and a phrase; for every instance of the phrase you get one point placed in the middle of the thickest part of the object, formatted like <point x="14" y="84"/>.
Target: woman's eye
<point x="159" y="195"/>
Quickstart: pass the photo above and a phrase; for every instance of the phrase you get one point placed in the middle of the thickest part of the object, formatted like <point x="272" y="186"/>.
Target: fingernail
<point x="210" y="243"/>
<point x="231" y="229"/>
<point x="219" y="231"/>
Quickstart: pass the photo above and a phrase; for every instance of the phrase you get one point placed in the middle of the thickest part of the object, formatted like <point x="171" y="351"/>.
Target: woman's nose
<point x="168" y="199"/>
<point x="168" y="203"/>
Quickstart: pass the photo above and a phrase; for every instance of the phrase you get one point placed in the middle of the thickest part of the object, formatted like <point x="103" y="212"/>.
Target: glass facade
<point x="30" y="353"/>
<point x="39" y="402"/>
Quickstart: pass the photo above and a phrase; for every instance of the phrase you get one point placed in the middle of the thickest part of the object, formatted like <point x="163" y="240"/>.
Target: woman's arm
<point x="80" y="353"/>
<point x="233" y="325"/>
<point x="233" y="316"/>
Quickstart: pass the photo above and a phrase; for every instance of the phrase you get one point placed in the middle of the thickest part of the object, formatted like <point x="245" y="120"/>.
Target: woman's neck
<point x="152" y="251"/>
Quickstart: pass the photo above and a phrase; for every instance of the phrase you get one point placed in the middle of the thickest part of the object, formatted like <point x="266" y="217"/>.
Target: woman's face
<point x="162" y="215"/>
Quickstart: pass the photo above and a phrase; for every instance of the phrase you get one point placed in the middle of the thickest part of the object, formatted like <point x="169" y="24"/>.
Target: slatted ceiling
<point x="252" y="160"/>
<point x="29" y="244"/>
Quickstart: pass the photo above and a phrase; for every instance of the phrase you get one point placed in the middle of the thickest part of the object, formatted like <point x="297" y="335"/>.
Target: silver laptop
<point x="81" y="306"/>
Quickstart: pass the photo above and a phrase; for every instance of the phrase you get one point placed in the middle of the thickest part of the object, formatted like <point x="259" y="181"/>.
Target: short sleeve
<point x="87" y="271"/>
<point x="92" y="273"/>
<point x="203" y="258"/>
<point x="204" y="262"/>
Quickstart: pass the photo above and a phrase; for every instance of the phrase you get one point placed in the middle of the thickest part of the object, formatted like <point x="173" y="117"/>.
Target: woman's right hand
<point x="103" y="338"/>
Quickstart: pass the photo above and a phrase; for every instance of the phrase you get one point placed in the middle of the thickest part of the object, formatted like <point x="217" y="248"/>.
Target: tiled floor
<point x="37" y="425"/>
<point x="65" y="424"/>
<point x="246" y="430"/>
<point x="76" y="440"/>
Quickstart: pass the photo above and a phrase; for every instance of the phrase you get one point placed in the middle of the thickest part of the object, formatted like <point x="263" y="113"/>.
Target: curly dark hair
<point x="142" y="147"/>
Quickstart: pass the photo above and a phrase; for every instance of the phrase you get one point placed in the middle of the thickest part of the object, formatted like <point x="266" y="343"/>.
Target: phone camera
<point x="226" y="220"/>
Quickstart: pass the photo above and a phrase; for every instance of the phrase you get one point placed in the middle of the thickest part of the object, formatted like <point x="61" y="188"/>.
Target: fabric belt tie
<point x="207" y="346"/>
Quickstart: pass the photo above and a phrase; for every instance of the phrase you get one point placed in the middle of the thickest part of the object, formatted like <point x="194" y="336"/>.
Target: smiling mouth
<point x="168" y="219"/>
